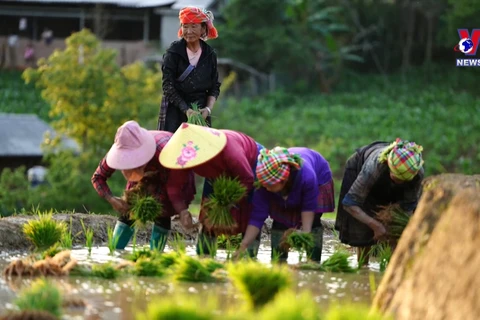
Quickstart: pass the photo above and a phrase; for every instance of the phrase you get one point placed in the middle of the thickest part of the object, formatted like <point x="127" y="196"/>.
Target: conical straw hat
<point x="192" y="145"/>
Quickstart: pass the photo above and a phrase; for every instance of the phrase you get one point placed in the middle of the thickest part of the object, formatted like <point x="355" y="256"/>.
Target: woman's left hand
<point x="204" y="113"/>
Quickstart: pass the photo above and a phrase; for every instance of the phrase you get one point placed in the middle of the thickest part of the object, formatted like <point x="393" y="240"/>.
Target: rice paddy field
<point x="125" y="296"/>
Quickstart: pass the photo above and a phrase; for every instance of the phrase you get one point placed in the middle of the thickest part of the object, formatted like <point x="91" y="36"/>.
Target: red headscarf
<point x="197" y="15"/>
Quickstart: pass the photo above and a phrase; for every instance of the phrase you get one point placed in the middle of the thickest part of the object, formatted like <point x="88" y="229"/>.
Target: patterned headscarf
<point x="197" y="15"/>
<point x="273" y="166"/>
<point x="404" y="159"/>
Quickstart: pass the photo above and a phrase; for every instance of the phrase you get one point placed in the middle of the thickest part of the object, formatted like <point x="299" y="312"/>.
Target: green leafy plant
<point x="42" y="295"/>
<point x="259" y="284"/>
<point x="148" y="267"/>
<point x="178" y="308"/>
<point x="227" y="192"/>
<point x="383" y="252"/>
<point x="395" y="220"/>
<point x="67" y="242"/>
<point x="191" y="269"/>
<point x="44" y="232"/>
<point x="287" y="305"/>
<point x="337" y="262"/>
<point x="145" y="210"/>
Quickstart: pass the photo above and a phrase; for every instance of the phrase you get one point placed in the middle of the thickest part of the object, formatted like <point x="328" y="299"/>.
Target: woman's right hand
<point x="118" y="204"/>
<point x="379" y="231"/>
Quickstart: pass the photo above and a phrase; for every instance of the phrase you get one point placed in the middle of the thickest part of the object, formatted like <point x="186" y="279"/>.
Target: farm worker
<point x="190" y="71"/>
<point x="296" y="189"/>
<point x="211" y="153"/>
<point x="378" y="174"/>
<point x="135" y="152"/>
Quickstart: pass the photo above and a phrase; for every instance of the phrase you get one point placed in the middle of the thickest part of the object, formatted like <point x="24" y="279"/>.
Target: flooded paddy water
<point x="124" y="297"/>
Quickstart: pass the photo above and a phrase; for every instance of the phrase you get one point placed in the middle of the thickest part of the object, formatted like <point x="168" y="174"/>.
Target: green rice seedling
<point x="197" y="118"/>
<point x="395" y="220"/>
<point x="225" y="241"/>
<point x="287" y="305"/>
<point x="169" y="259"/>
<point x="210" y="246"/>
<point x="384" y="254"/>
<point x="88" y="237"/>
<point x="299" y="241"/>
<point x="212" y="265"/>
<point x="353" y="312"/>
<point x="112" y="240"/>
<point x="148" y="267"/>
<point x="42" y="295"/>
<point x="52" y="251"/>
<point x="44" y="232"/>
<point x="227" y="192"/>
<point x="191" y="269"/>
<point x="145" y="209"/>
<point x="179" y="308"/>
<point x="105" y="271"/>
<point x="338" y="262"/>
<point x="142" y="253"/>
<point x="178" y="243"/>
<point x="66" y="241"/>
<point x="258" y="283"/>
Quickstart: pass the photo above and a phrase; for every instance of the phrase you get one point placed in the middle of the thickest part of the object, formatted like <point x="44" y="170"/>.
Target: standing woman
<point x="189" y="71"/>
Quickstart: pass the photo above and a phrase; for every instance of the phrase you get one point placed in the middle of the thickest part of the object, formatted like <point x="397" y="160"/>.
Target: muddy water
<point x="122" y="298"/>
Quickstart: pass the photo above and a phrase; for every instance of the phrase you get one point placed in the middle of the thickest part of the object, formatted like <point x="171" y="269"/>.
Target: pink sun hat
<point x="133" y="147"/>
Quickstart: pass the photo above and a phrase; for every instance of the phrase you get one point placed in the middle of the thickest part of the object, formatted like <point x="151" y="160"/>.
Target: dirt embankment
<point x="433" y="273"/>
<point x="12" y="238"/>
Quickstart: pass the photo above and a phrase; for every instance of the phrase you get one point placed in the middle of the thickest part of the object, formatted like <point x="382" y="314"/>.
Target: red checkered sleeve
<point x="100" y="177"/>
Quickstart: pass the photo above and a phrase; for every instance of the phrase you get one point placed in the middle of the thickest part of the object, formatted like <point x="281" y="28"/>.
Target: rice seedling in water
<point x="148" y="267"/>
<point x="395" y="220"/>
<point x="287" y="305"/>
<point x="42" y="295"/>
<point x="44" y="232"/>
<point x="112" y="240"/>
<point x="197" y="118"/>
<point x="88" y="237"/>
<point x="67" y="242"/>
<point x="142" y="253"/>
<point x="178" y="244"/>
<point x="105" y="271"/>
<point x="299" y="241"/>
<point x="258" y="283"/>
<point x="227" y="192"/>
<point x="52" y="251"/>
<point x="383" y="252"/>
<point x="169" y="259"/>
<point x="191" y="269"/>
<point x="338" y="262"/>
<point x="229" y="242"/>
<point x="178" y="308"/>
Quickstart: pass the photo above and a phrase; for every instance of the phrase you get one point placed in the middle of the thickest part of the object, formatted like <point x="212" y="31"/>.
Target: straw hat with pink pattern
<point x="134" y="147"/>
<point x="192" y="145"/>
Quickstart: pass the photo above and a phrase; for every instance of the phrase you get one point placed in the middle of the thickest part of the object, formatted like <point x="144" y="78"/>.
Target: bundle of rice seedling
<point x="299" y="241"/>
<point x="44" y="232"/>
<point x="231" y="242"/>
<point x="338" y="262"/>
<point x="148" y="267"/>
<point x="143" y="207"/>
<point x="191" y="269"/>
<point x="197" y="118"/>
<point x="395" y="220"/>
<point x="227" y="192"/>
<point x="178" y="308"/>
<point x="169" y="259"/>
<point x="289" y="305"/>
<point x="259" y="283"/>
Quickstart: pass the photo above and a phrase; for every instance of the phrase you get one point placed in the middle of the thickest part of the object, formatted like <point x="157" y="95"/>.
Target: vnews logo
<point x="468" y="45"/>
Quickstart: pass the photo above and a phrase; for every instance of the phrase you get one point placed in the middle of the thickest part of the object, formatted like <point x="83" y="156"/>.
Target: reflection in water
<point x="124" y="297"/>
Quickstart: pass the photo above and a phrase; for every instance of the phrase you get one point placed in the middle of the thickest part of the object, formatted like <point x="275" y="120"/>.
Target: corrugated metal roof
<point x="22" y="135"/>
<point x="179" y="4"/>
<point x="122" y="3"/>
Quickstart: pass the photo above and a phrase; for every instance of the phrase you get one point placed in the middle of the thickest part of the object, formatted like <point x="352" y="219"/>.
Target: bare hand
<point x="239" y="253"/>
<point x="204" y="113"/>
<point x="119" y="205"/>
<point x="190" y="112"/>
<point x="186" y="220"/>
<point x="379" y="231"/>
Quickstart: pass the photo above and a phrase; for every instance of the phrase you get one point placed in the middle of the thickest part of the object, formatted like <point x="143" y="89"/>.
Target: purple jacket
<point x="314" y="172"/>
